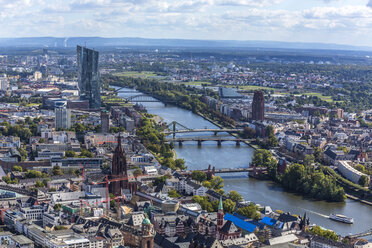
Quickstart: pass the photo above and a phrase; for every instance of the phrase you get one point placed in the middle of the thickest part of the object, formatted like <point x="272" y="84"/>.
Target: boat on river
<point x="341" y="218"/>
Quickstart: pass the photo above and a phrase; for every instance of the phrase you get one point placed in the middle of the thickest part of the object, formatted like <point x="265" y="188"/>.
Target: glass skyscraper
<point x="88" y="76"/>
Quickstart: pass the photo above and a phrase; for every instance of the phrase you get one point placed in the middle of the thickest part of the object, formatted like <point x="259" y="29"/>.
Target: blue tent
<point x="268" y="221"/>
<point x="240" y="223"/>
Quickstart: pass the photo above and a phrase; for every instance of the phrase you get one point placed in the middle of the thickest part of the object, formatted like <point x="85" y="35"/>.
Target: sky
<point x="325" y="21"/>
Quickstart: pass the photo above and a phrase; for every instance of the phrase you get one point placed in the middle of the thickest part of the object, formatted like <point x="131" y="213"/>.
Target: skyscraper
<point x="105" y="121"/>
<point x="63" y="116"/>
<point x="88" y="76"/>
<point x="4" y="83"/>
<point x="258" y="106"/>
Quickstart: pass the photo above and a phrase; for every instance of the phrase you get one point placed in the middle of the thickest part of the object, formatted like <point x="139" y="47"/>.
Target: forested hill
<point x="126" y="41"/>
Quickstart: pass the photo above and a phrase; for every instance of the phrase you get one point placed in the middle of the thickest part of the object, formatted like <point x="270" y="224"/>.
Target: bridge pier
<point x="238" y="143"/>
<point x="199" y="143"/>
<point x="215" y="133"/>
<point x="180" y="143"/>
<point x="219" y="143"/>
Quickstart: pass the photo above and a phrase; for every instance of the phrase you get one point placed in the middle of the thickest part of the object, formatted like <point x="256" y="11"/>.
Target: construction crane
<point x="83" y="170"/>
<point x="115" y="198"/>
<point x="2" y="214"/>
<point x="108" y="181"/>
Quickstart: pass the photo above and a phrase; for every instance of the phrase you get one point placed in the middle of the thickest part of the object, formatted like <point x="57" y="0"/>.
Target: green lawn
<point x="249" y="87"/>
<point x="196" y="83"/>
<point x="136" y="74"/>
<point x="324" y="98"/>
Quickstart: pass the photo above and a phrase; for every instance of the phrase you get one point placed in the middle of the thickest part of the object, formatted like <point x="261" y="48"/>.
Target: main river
<point x="265" y="193"/>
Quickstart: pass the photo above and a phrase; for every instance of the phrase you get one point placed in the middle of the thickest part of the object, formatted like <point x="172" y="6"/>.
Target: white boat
<point x="341" y="218"/>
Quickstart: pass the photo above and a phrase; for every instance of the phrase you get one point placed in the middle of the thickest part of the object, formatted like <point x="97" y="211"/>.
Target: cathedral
<point x="119" y="170"/>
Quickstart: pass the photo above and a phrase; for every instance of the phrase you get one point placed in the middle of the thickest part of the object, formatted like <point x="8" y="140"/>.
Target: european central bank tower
<point x="88" y="76"/>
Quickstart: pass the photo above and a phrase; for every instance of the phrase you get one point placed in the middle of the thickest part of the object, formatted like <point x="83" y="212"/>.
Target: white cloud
<point x="204" y="19"/>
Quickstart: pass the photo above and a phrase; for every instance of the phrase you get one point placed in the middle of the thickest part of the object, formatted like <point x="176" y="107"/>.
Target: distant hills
<point x="179" y="43"/>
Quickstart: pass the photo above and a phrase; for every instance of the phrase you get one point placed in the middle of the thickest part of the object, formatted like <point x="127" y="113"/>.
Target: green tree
<point x="317" y="230"/>
<point x="17" y="168"/>
<point x="235" y="196"/>
<point x="229" y="206"/>
<point x="309" y="160"/>
<point x="85" y="154"/>
<point x="57" y="171"/>
<point x="318" y="154"/>
<point x="33" y="174"/>
<point x="360" y="168"/>
<point x="363" y="181"/>
<point x="160" y="180"/>
<point x="216" y="182"/>
<point x="180" y="163"/>
<point x="173" y="194"/>
<point x="137" y="172"/>
<point x="57" y="207"/>
<point x="39" y="184"/>
<point x="6" y="179"/>
<point x="204" y="202"/>
<point x="199" y="176"/>
<point x="70" y="154"/>
<point x="249" y="133"/>
<point x="250" y="211"/>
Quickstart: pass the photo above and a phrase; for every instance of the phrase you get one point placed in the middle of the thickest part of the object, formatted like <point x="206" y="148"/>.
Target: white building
<point x="349" y="172"/>
<point x="73" y="240"/>
<point x="4" y="83"/>
<point x="63" y="117"/>
<point x="192" y="188"/>
<point x="37" y="75"/>
<point x="33" y="213"/>
<point x="150" y="170"/>
<point x="51" y="218"/>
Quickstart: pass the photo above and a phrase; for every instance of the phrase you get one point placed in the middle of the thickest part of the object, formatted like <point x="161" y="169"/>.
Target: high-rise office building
<point x="4" y="83"/>
<point x="88" y="76"/>
<point x="258" y="106"/>
<point x="63" y="115"/>
<point x="105" y="121"/>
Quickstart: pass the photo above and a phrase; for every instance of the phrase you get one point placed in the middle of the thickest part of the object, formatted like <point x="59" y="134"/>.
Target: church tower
<point x="118" y="169"/>
<point x="220" y="216"/>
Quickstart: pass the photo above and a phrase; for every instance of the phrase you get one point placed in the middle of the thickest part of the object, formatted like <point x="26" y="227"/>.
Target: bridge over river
<point x="200" y="140"/>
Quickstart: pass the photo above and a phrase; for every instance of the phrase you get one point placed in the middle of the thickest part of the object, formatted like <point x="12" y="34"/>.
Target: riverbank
<point x="264" y="192"/>
<point x="358" y="199"/>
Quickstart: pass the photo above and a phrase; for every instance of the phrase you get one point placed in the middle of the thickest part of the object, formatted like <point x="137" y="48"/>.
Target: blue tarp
<point x="240" y="223"/>
<point x="268" y="221"/>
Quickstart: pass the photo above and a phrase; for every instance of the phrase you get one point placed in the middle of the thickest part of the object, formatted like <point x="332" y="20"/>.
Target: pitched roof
<point x="229" y="227"/>
<point x="287" y="218"/>
<point x="240" y="223"/>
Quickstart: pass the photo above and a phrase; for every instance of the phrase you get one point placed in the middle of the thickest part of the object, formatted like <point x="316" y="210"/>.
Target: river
<point x="265" y="193"/>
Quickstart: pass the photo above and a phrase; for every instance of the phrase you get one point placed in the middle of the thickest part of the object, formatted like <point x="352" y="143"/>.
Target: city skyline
<point x="326" y="21"/>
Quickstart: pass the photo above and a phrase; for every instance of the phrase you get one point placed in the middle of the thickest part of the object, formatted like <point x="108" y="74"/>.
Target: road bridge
<point x="201" y="140"/>
<point x="172" y="129"/>
<point x="233" y="170"/>
<point x="213" y="130"/>
<point x="210" y="172"/>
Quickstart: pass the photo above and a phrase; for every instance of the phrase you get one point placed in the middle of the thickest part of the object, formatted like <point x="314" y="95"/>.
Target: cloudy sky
<point x="327" y="21"/>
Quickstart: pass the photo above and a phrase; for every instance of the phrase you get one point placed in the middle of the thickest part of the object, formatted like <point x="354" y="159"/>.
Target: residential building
<point x="63" y="116"/>
<point x="4" y="83"/>
<point x="349" y="172"/>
